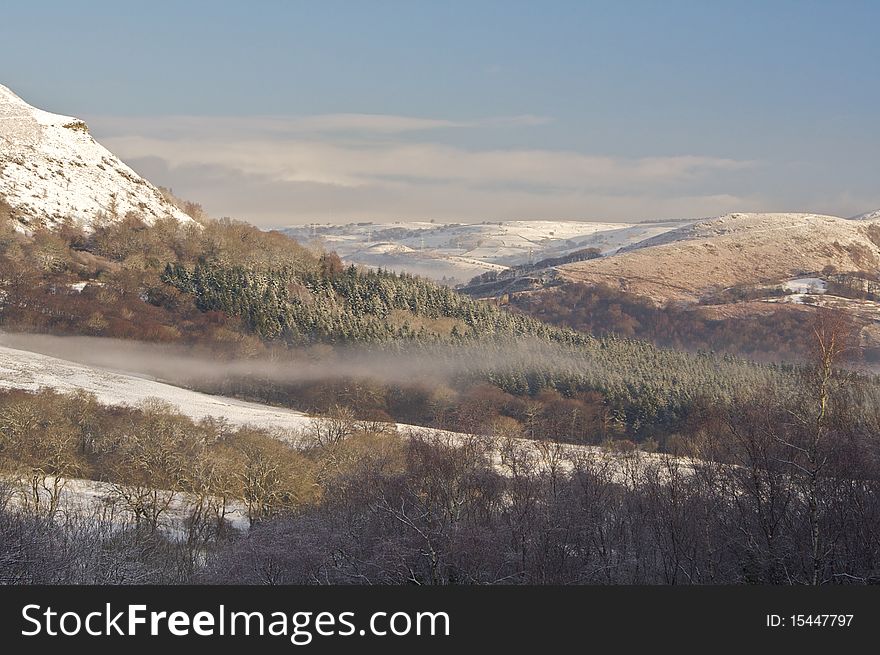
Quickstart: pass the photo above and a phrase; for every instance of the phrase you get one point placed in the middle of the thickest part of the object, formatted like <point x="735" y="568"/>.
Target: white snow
<point x="51" y="169"/>
<point x="99" y="499"/>
<point x="868" y="216"/>
<point x="756" y="225"/>
<point x="798" y="299"/>
<point x="806" y="285"/>
<point x="465" y="250"/>
<point x="21" y="369"/>
<point x="78" y="286"/>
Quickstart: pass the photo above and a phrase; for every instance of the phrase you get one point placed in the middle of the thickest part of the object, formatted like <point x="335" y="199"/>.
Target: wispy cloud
<point x="369" y="163"/>
<point x="359" y="166"/>
<point x="363" y="124"/>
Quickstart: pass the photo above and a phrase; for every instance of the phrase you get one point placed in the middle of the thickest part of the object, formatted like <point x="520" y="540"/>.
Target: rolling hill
<point x="868" y="216"/>
<point x="461" y="251"/>
<point x="734" y="250"/>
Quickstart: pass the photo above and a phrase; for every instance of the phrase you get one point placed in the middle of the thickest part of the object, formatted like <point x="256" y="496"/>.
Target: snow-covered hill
<point x="868" y="216"/>
<point x="30" y="371"/>
<point x="732" y="250"/>
<point x="462" y="251"/>
<point x="51" y="169"/>
<point x="766" y="226"/>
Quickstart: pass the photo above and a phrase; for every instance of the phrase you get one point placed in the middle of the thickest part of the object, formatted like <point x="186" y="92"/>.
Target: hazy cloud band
<point x="338" y="167"/>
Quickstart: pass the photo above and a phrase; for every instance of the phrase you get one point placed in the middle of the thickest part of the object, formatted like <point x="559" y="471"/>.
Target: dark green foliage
<point x="652" y="387"/>
<point x="350" y="306"/>
<point x="523" y="269"/>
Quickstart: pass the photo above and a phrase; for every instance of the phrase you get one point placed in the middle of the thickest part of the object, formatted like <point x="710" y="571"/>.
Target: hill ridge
<point x="51" y="169"/>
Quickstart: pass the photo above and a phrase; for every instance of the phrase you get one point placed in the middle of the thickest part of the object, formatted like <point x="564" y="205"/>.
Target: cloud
<point x="271" y="203"/>
<point x="370" y="163"/>
<point x="362" y="167"/>
<point x="237" y="126"/>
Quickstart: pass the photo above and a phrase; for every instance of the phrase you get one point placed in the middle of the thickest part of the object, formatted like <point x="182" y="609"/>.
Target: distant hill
<point x="868" y="216"/>
<point x="736" y="249"/>
<point x="459" y="252"/>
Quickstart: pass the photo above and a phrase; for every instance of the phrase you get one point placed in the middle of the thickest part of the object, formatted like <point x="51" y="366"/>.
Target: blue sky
<point x="284" y="112"/>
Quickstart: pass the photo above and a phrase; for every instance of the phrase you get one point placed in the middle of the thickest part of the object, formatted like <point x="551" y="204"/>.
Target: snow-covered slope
<point x="462" y="251"/>
<point x="736" y="249"/>
<point x="21" y="369"/>
<point x="868" y="216"/>
<point x="29" y="371"/>
<point x="51" y="168"/>
<point x="760" y="226"/>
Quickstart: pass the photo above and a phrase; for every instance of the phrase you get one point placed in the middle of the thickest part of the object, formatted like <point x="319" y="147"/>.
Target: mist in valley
<point x="192" y="367"/>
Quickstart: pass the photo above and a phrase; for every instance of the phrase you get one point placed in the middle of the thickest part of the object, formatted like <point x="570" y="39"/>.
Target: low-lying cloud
<point x="184" y="366"/>
<point x="340" y="167"/>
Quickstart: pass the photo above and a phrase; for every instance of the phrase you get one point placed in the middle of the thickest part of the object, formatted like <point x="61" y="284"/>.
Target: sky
<point x="282" y="112"/>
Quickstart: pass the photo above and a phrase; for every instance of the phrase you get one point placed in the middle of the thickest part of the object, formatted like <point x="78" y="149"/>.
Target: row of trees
<point x="152" y="459"/>
<point x="345" y="305"/>
<point x="850" y="285"/>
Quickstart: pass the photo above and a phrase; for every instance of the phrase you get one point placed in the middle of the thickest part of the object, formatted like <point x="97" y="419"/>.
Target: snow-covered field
<point x="806" y="285"/>
<point x="21" y="369"/>
<point x="51" y="168"/>
<point x="462" y="251"/>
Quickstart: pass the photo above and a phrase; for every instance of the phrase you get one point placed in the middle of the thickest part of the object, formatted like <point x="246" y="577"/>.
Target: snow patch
<point x="77" y="286"/>
<point x="868" y="216"/>
<point x="806" y="285"/>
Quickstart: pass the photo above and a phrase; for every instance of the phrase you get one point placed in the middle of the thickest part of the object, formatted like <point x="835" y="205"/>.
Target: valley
<point x="194" y="400"/>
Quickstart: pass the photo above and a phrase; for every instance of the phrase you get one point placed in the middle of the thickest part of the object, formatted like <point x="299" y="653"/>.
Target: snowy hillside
<point x="51" y="168"/>
<point x="20" y="369"/>
<point x="462" y="251"/>
<point x="868" y="216"/>
<point x="736" y="249"/>
<point x="29" y="371"/>
<point x="758" y="225"/>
